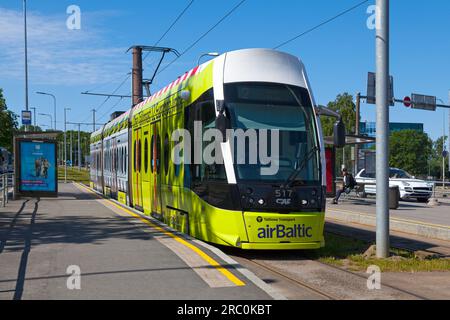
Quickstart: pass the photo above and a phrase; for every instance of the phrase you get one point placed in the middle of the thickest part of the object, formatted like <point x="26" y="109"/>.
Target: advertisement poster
<point x="37" y="167"/>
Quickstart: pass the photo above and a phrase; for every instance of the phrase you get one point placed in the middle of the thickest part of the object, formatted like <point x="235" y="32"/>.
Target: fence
<point x="6" y="183"/>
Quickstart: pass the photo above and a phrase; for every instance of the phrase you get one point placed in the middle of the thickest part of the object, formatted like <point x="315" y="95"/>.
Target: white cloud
<point x="56" y="55"/>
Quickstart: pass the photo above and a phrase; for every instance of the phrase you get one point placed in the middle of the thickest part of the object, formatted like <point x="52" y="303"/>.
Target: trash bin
<point x="394" y="197"/>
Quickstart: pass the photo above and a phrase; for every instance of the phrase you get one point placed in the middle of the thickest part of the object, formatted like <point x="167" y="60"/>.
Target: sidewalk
<point x="413" y="218"/>
<point x="120" y="256"/>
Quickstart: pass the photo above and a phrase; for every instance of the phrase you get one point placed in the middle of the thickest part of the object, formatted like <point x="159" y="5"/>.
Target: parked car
<point x="409" y="186"/>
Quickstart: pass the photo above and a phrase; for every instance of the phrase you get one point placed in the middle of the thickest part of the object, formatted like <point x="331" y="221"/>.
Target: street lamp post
<point x="210" y="54"/>
<point x="443" y="147"/>
<point x="54" y="105"/>
<point x="26" y="55"/>
<point x="34" y="116"/>
<point x="65" y="145"/>
<point x="47" y="115"/>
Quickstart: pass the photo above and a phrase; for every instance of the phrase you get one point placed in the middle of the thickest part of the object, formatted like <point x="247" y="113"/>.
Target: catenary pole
<point x="357" y="130"/>
<point x="79" y="147"/>
<point x="26" y="55"/>
<point x="382" y="143"/>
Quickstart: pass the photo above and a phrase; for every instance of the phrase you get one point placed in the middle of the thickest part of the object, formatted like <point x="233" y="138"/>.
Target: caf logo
<point x="259" y="219"/>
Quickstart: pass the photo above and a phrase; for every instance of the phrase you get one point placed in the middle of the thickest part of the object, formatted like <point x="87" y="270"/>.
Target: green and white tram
<point x="229" y="202"/>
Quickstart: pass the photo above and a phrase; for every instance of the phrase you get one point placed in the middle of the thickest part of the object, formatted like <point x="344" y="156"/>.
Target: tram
<point x="229" y="202"/>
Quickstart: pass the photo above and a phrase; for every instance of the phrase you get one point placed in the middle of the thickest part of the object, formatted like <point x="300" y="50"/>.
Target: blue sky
<point x="337" y="56"/>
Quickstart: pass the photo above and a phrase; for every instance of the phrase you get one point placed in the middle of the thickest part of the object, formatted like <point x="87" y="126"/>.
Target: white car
<point x="409" y="186"/>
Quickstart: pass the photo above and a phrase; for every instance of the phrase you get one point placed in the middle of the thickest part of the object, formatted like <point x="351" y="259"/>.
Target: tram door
<point x="137" y="164"/>
<point x="155" y="170"/>
<point x="145" y="170"/>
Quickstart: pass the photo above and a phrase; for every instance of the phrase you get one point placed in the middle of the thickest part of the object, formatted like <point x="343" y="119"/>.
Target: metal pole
<point x="34" y="116"/>
<point x="71" y="149"/>
<point x="382" y="143"/>
<point x="93" y="114"/>
<point x="26" y="56"/>
<point x="54" y="109"/>
<point x="443" y="149"/>
<point x="65" y="146"/>
<point x="137" y="76"/>
<point x="357" y="130"/>
<point x="79" y="147"/>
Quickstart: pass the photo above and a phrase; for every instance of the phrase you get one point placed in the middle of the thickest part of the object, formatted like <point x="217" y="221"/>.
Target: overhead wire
<point x="321" y="24"/>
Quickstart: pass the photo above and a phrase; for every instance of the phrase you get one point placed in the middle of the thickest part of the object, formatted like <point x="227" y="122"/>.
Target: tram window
<point x="158" y="154"/>
<point x="146" y="155"/>
<point x="152" y="156"/>
<point x="204" y="110"/>
<point x="134" y="156"/>
<point x="166" y="154"/>
<point x="139" y="158"/>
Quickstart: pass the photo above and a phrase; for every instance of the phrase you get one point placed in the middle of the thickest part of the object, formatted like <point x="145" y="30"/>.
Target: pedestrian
<point x="349" y="184"/>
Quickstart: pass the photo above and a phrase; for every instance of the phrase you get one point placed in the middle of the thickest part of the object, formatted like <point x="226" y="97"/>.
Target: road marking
<point x="394" y="219"/>
<point x="230" y="276"/>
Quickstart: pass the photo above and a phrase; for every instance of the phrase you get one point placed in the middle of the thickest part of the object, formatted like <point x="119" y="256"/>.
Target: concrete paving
<point x="408" y="210"/>
<point x="411" y="217"/>
<point x="118" y="256"/>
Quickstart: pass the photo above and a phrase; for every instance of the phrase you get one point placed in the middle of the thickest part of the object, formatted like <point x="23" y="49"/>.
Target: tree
<point x="436" y="158"/>
<point x="347" y="109"/>
<point x="8" y="121"/>
<point x="410" y="150"/>
<point x="31" y="128"/>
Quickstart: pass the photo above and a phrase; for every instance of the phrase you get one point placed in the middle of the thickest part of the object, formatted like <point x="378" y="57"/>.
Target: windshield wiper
<point x="300" y="168"/>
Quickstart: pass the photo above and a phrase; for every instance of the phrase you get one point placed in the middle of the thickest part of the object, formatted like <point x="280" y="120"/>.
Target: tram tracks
<point x="292" y="280"/>
<point x="329" y="286"/>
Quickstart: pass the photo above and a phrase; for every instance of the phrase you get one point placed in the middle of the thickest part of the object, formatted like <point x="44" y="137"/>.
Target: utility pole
<point x="79" y="147"/>
<point x="26" y="56"/>
<point x="93" y="114"/>
<point x="34" y="116"/>
<point x="71" y="149"/>
<point x="65" y="145"/>
<point x="137" y="76"/>
<point x="382" y="143"/>
<point x="357" y="130"/>
<point x="443" y="152"/>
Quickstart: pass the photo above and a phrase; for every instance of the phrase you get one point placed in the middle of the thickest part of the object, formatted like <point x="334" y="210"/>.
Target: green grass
<point x="73" y="174"/>
<point x="348" y="253"/>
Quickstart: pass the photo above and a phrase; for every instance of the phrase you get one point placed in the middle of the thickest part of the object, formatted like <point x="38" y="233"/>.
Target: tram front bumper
<point x="284" y="231"/>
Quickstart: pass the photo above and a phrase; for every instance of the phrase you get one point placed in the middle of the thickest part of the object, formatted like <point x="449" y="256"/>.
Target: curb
<point x="412" y="227"/>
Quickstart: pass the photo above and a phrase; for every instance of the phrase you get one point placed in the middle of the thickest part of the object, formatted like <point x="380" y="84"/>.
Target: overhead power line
<point x="321" y="24"/>
<point x="159" y="40"/>
<point x="204" y="34"/>
<point x="171" y="26"/>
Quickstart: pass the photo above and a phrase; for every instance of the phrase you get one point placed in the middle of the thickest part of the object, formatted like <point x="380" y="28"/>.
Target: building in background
<point x="366" y="156"/>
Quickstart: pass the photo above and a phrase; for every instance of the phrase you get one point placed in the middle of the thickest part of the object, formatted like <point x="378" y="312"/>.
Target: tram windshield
<point x="288" y="109"/>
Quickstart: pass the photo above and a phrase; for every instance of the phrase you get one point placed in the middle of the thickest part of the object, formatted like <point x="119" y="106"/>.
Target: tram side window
<point x="166" y="154"/>
<point x="203" y="110"/>
<point x="134" y="155"/>
<point x="146" y="155"/>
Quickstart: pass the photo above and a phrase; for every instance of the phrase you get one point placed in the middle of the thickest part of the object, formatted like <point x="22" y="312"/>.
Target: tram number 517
<point x="283" y="197"/>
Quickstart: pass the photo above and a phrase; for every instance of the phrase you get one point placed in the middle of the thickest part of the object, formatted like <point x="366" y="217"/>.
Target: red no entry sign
<point x="407" y="102"/>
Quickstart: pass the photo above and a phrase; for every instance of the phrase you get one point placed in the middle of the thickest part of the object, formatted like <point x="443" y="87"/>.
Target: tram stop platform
<point x="117" y="253"/>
